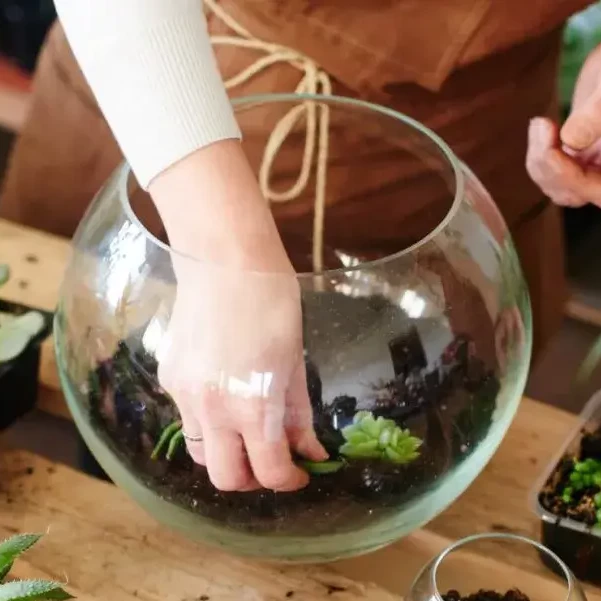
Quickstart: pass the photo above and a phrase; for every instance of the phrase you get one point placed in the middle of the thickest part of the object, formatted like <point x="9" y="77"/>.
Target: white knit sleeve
<point x="152" y="69"/>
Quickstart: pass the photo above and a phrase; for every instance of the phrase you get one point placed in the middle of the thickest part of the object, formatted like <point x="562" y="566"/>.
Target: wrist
<point x="212" y="210"/>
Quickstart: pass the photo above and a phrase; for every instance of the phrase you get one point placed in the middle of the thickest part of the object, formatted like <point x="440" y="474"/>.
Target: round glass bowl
<point x="416" y="328"/>
<point x="471" y="568"/>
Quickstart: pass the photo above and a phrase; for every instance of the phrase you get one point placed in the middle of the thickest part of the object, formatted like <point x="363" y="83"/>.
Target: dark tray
<point x="19" y="378"/>
<point x="578" y="544"/>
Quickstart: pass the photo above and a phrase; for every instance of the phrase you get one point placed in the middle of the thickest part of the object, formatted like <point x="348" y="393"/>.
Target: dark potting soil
<point x="449" y="406"/>
<point x="482" y="595"/>
<point x="581" y="505"/>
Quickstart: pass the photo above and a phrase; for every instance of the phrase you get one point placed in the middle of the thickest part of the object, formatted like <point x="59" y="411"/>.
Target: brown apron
<point x="475" y="71"/>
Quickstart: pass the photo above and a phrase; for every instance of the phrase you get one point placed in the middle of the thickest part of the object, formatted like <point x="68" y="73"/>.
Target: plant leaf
<point x="386" y="436"/>
<point x="394" y="456"/>
<point x="360" y="416"/>
<point x="13" y="341"/>
<point x="371" y="426"/>
<point x="366" y="450"/>
<point x="33" y="590"/>
<point x="322" y="467"/>
<point x="12" y="547"/>
<point x="356" y="438"/>
<point x="165" y="437"/>
<point x="17" y="333"/>
<point x="174" y="443"/>
<point x="31" y="322"/>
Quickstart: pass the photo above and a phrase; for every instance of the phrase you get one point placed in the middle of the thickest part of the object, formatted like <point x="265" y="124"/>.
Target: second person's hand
<point x="566" y="162"/>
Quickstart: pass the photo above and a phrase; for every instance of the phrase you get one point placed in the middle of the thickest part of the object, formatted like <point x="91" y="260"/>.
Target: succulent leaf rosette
<point x="379" y="438"/>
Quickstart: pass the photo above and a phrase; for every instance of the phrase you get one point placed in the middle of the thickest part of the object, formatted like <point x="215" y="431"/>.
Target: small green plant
<point x="25" y="590"/>
<point x="16" y="331"/>
<point x="371" y="438"/>
<point x="584" y="475"/>
<point x="171" y="439"/>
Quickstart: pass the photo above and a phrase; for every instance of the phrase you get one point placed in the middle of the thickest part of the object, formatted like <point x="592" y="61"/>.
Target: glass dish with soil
<point x="476" y="568"/>
<point x="416" y="351"/>
<point x="568" y="497"/>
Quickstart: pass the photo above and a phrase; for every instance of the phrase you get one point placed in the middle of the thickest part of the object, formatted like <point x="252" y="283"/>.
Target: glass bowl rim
<point x="500" y="536"/>
<point x="124" y="172"/>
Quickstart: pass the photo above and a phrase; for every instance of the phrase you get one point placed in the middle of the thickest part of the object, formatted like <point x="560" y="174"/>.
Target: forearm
<point x="153" y="72"/>
<point x="152" y="69"/>
<point x="212" y="208"/>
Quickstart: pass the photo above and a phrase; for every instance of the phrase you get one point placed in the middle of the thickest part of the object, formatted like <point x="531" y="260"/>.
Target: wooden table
<point x="110" y="549"/>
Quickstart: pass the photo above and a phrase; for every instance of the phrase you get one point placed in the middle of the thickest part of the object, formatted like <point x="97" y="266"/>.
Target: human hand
<point x="232" y="356"/>
<point x="566" y="163"/>
<point x="233" y="361"/>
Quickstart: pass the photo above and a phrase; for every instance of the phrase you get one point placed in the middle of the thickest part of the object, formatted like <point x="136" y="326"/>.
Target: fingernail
<point x="577" y="135"/>
<point x="569" y="150"/>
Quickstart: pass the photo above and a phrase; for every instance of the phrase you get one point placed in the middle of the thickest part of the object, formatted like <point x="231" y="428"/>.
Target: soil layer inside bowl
<point x="448" y="404"/>
<point x="484" y="595"/>
<point x="574" y="488"/>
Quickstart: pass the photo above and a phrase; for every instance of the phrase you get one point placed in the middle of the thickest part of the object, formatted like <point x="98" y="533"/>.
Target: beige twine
<point x="314" y="81"/>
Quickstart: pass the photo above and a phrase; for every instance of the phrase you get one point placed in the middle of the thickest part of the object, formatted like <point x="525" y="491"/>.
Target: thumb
<point x="583" y="126"/>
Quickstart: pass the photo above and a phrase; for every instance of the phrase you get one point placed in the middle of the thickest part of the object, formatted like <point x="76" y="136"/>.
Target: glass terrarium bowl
<point x="477" y="567"/>
<point x="414" y="311"/>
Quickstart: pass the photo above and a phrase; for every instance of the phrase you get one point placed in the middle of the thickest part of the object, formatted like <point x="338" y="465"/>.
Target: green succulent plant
<point x="25" y="590"/>
<point x="584" y="476"/>
<point x="170" y="440"/>
<point x="378" y="438"/>
<point x="16" y="332"/>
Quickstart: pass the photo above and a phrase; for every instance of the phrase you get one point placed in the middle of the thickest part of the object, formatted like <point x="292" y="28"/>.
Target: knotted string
<point x="314" y="81"/>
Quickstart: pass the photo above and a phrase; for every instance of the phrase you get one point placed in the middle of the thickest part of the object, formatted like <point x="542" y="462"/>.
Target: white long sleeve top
<point x="152" y="69"/>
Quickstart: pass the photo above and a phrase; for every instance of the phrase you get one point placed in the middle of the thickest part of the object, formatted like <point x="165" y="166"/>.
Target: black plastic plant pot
<point x="19" y="377"/>
<point x="569" y="511"/>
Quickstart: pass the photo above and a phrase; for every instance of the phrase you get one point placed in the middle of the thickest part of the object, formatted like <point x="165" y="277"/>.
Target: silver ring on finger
<point x="192" y="438"/>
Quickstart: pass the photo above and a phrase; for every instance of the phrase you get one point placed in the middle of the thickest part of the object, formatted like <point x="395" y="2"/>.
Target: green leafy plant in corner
<point x="25" y="590"/>
<point x="379" y="438"/>
<point x="585" y="476"/>
<point x="16" y="332"/>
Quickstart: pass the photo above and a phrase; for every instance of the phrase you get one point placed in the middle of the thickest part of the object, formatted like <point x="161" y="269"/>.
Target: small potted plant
<point x="21" y="332"/>
<point x="21" y="590"/>
<point x="568" y="497"/>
